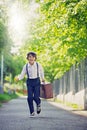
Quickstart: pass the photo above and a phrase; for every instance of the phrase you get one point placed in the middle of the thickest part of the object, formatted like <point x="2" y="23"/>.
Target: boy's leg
<point x="30" y="98"/>
<point x="37" y="96"/>
<point x="37" y="91"/>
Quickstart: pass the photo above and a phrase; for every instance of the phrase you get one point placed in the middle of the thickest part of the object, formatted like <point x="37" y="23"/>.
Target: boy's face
<point x="31" y="59"/>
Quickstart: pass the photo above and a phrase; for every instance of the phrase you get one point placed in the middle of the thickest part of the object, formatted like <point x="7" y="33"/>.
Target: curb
<point x="75" y="111"/>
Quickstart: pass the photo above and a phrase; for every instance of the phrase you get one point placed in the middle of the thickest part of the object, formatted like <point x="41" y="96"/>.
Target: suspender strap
<point x="27" y="70"/>
<point x="37" y="70"/>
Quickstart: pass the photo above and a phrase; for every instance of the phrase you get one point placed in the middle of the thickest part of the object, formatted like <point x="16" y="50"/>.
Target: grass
<point x="73" y="105"/>
<point x="5" y="97"/>
<point x="0" y="104"/>
<point x="10" y="93"/>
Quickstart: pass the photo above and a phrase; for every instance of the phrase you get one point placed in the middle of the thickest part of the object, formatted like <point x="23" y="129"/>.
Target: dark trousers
<point x="33" y="88"/>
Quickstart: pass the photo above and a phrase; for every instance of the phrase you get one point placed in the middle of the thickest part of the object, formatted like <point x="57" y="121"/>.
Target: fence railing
<point x="72" y="87"/>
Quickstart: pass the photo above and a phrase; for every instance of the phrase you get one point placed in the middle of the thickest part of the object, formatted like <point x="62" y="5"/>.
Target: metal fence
<point x="72" y="87"/>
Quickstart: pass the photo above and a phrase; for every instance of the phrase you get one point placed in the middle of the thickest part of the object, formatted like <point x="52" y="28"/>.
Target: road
<point x="14" y="115"/>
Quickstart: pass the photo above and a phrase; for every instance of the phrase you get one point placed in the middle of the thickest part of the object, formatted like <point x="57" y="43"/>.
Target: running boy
<point x="34" y="73"/>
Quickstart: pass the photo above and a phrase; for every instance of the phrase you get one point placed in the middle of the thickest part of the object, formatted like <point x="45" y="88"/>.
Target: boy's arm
<point x="21" y="76"/>
<point x="41" y="73"/>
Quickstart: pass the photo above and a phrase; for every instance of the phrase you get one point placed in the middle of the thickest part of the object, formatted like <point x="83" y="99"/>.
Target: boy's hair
<point x="33" y="54"/>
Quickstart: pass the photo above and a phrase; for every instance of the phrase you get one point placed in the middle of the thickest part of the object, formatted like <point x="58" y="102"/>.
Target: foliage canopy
<point x="58" y="36"/>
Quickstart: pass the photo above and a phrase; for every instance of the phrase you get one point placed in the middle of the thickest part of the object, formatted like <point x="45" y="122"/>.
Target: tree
<point x="59" y="36"/>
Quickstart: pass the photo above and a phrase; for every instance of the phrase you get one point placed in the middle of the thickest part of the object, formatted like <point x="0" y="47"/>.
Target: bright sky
<point x="19" y="17"/>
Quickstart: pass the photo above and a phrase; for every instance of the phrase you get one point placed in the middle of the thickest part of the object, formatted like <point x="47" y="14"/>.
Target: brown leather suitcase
<point x="46" y="91"/>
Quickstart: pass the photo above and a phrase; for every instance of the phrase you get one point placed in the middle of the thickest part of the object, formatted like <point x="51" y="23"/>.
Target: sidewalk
<point x="14" y="115"/>
<point x="76" y="111"/>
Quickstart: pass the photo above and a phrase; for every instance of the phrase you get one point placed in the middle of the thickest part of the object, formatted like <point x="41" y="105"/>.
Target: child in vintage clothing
<point x="35" y="75"/>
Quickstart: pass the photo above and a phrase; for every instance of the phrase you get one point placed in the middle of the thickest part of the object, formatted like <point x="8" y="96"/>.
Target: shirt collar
<point x="33" y="64"/>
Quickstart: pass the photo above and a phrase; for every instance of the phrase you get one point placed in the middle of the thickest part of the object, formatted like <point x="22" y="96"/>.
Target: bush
<point x="6" y="97"/>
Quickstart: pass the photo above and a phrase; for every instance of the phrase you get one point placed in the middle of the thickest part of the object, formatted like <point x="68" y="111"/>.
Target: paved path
<point x="14" y="116"/>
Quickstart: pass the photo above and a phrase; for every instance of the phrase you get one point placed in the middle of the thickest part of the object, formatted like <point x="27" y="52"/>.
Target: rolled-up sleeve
<point x="23" y="72"/>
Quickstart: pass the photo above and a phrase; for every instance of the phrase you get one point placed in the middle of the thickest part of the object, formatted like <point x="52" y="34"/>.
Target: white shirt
<point x="32" y="71"/>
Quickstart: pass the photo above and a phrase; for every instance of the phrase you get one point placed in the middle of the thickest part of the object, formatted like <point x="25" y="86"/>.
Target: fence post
<point x="85" y="85"/>
<point x="1" y="86"/>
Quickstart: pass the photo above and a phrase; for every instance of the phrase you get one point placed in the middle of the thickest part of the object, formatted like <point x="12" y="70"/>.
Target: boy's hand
<point x="16" y="79"/>
<point x="43" y="81"/>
